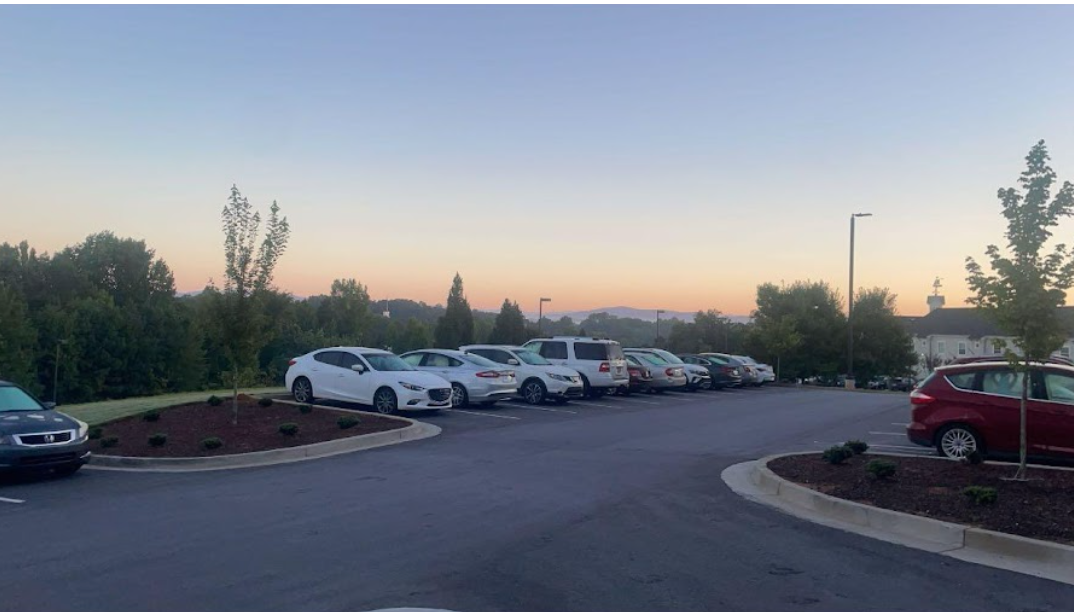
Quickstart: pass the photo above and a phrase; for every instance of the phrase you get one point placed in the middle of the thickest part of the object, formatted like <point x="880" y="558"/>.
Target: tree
<point x="345" y="313"/>
<point x="510" y="326"/>
<point x="1026" y="288"/>
<point x="456" y="327"/>
<point x="415" y="335"/>
<point x="18" y="339"/>
<point x="246" y="274"/>
<point x="881" y="344"/>
<point x="779" y="336"/>
<point x="815" y="309"/>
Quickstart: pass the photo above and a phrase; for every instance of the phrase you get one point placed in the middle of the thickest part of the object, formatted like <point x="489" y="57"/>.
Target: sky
<point x="655" y="157"/>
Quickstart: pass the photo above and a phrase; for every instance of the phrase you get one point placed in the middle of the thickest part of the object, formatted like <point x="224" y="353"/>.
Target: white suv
<point x="367" y="376"/>
<point x="539" y="379"/>
<point x="599" y="362"/>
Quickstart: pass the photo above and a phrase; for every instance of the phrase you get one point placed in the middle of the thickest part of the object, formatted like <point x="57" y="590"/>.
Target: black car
<point x="34" y="437"/>
<point x="724" y="372"/>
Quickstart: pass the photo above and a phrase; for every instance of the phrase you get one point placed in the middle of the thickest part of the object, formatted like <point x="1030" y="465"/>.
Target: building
<point x="947" y="334"/>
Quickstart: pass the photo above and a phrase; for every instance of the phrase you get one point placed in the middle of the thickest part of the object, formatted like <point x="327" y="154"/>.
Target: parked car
<point x="35" y="437"/>
<point x="756" y="374"/>
<point x="665" y="375"/>
<point x="971" y="407"/>
<point x="723" y="373"/>
<point x="599" y="362"/>
<point x="697" y="376"/>
<point x="473" y="378"/>
<point x="641" y="380"/>
<point x="371" y="377"/>
<point x="745" y="374"/>
<point x="539" y="379"/>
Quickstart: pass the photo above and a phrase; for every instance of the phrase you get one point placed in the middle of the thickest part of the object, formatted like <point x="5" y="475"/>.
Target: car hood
<point x="562" y="371"/>
<point x="423" y="379"/>
<point x="34" y="422"/>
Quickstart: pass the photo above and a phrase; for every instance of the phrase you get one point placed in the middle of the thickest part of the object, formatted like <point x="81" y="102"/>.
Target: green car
<point x="34" y="437"/>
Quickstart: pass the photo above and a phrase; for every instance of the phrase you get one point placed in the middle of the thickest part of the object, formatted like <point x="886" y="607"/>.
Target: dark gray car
<point x="34" y="437"/>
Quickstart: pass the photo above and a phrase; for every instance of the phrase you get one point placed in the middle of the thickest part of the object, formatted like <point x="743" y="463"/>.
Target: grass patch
<point x="96" y="413"/>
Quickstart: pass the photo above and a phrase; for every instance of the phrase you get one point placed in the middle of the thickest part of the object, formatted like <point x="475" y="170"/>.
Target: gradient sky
<point x="653" y="157"/>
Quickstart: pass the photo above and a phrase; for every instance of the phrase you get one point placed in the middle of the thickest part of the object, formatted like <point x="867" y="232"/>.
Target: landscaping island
<point x="205" y="429"/>
<point x="974" y="495"/>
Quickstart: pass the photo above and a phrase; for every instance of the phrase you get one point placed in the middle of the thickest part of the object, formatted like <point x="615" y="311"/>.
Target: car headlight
<point x="83" y="429"/>
<point x="407" y="385"/>
<point x="558" y="377"/>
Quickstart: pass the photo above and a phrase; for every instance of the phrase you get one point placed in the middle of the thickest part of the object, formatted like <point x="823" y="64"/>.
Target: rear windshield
<point x="595" y="351"/>
<point x="479" y="360"/>
<point x="651" y="358"/>
<point x="670" y="357"/>
<point x="14" y="399"/>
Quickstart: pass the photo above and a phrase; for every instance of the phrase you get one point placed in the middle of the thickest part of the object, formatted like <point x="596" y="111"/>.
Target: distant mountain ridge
<point x="624" y="312"/>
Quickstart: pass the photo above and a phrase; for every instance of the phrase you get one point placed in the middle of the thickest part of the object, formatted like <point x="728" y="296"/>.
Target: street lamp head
<point x="862" y="214"/>
<point x="546" y="299"/>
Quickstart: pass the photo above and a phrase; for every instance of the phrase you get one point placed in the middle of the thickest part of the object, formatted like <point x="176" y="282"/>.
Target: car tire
<point x="459" y="397"/>
<point x="958" y="441"/>
<point x="534" y="392"/>
<point x="385" y="401"/>
<point x="302" y="390"/>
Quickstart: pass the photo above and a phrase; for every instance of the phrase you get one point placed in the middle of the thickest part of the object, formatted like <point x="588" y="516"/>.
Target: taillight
<point x="292" y="362"/>
<point x="605" y="366"/>
<point x="670" y="371"/>
<point x="488" y="374"/>
<point x="727" y="370"/>
<point x="918" y="398"/>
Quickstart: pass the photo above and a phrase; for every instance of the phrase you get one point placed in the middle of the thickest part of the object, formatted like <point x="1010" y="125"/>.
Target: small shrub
<point x="265" y="402"/>
<point x="212" y="443"/>
<point x="982" y="496"/>
<point x="289" y="429"/>
<point x="158" y="439"/>
<point x="305" y="408"/>
<point x="215" y="401"/>
<point x="152" y="416"/>
<point x="346" y="422"/>
<point x="109" y="442"/>
<point x="880" y="469"/>
<point x="95" y="433"/>
<point x="857" y="446"/>
<point x="837" y="455"/>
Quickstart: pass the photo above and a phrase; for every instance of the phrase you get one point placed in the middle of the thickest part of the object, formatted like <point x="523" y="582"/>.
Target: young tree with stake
<point x="1026" y="288"/>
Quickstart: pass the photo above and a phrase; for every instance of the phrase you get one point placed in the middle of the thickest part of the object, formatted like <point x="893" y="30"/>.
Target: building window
<point x="996" y="350"/>
<point x="962" y="348"/>
<point x="941" y="347"/>
<point x="1065" y="352"/>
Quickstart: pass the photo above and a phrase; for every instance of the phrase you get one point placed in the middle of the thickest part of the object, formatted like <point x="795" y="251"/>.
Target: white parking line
<point x="902" y="424"/>
<point x="601" y="405"/>
<point x="675" y="398"/>
<point x="637" y="401"/>
<point x="485" y="414"/>
<point x="11" y="500"/>
<point x="546" y="409"/>
<point x="886" y="433"/>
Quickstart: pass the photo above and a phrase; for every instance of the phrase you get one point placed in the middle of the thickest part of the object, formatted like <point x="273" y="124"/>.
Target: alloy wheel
<point x="385" y="401"/>
<point x="958" y="443"/>
<point x="533" y="393"/>
<point x="302" y="390"/>
<point x="458" y="396"/>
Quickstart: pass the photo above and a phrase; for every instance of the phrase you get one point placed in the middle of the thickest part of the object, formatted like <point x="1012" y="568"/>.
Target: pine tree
<point x="510" y="326"/>
<point x="456" y="327"/>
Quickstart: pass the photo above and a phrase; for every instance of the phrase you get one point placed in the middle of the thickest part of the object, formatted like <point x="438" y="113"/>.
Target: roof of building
<point x="963" y="322"/>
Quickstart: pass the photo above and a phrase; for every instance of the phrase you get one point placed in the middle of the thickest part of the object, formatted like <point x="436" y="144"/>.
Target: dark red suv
<point x="974" y="406"/>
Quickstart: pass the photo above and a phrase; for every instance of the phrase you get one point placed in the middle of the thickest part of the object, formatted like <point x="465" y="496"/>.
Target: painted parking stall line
<point x="12" y="500"/>
<point x="541" y="408"/>
<point x="485" y="414"/>
<point x="603" y="405"/>
<point x="887" y="433"/>
<point x="637" y="401"/>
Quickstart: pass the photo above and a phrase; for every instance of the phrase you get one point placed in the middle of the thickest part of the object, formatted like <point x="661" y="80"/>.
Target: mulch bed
<point x="258" y="429"/>
<point x="1041" y="508"/>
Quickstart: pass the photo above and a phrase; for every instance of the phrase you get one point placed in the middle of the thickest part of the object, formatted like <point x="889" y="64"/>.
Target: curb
<point x="416" y="430"/>
<point x="1049" y="560"/>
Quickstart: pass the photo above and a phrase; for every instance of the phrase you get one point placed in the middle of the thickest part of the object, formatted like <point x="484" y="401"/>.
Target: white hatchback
<point x="365" y="376"/>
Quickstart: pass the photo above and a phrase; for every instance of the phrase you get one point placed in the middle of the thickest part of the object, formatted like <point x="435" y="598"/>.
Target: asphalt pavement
<point x="612" y="505"/>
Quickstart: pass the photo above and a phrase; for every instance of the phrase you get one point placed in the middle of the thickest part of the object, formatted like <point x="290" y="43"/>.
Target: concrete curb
<point x="416" y="430"/>
<point x="756" y="482"/>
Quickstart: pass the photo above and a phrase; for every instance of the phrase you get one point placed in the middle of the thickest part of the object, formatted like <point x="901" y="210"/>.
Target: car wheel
<point x="533" y="392"/>
<point x="957" y="442"/>
<point x="459" y="397"/>
<point x="302" y="390"/>
<point x="385" y="402"/>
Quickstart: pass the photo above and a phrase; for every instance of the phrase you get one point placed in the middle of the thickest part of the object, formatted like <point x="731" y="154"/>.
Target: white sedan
<point x="540" y="379"/>
<point x="365" y="376"/>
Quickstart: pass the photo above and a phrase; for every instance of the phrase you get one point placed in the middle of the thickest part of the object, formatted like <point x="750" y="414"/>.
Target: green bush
<point x="109" y="442"/>
<point x="305" y="408"/>
<point x="152" y="416"/>
<point x="212" y="443"/>
<point x="289" y="429"/>
<point x="346" y="422"/>
<point x="95" y="433"/>
<point x="857" y="446"/>
<point x="837" y="455"/>
<point x="982" y="496"/>
<point x="265" y="402"/>
<point x="215" y="401"/>
<point x="880" y="469"/>
<point x="158" y="439"/>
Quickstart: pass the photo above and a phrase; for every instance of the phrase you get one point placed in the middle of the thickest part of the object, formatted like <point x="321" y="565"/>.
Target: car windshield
<point x="14" y="399"/>
<point x="479" y="360"/>
<point x="531" y="358"/>
<point x="386" y="362"/>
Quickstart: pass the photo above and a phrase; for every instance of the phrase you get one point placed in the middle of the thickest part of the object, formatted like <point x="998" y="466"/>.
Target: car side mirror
<point x="49" y="405"/>
<point x="358" y="368"/>
<point x="512" y="362"/>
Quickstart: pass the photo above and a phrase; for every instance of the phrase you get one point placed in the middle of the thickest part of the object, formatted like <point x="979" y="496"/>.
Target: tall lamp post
<point x="658" y="313"/>
<point x="850" y="305"/>
<point x="56" y="373"/>
<point x="540" y="313"/>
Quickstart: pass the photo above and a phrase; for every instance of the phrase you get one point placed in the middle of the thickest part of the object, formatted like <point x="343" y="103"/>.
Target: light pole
<point x="850" y="305"/>
<point x="56" y="373"/>
<point x="658" y="313"/>
<point x="540" y="313"/>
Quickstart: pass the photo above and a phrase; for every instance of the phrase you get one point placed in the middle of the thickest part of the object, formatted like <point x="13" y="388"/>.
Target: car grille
<point x="439" y="395"/>
<point x="44" y="439"/>
<point x="48" y="459"/>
